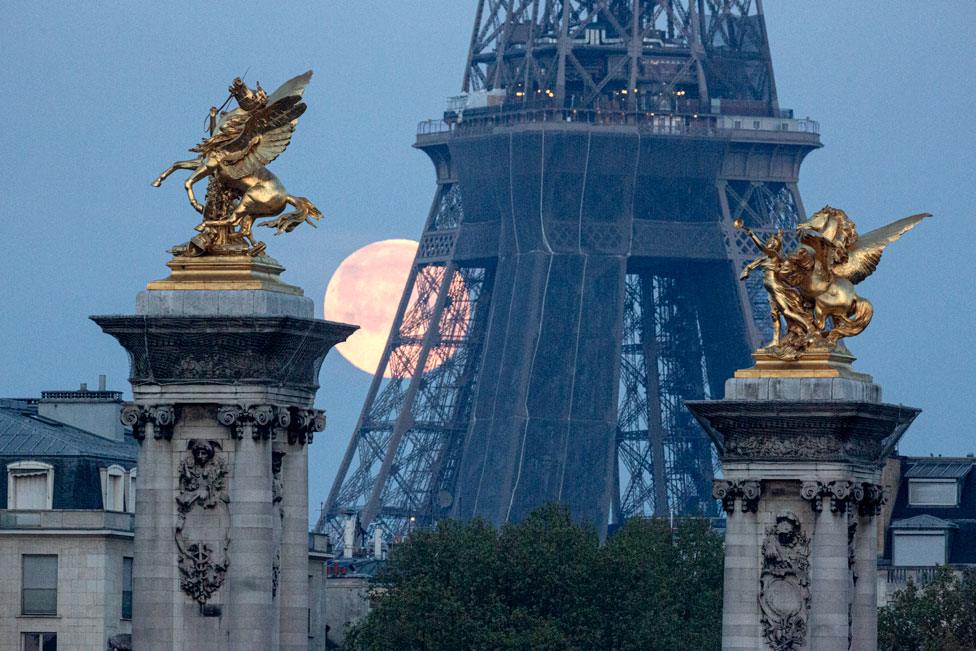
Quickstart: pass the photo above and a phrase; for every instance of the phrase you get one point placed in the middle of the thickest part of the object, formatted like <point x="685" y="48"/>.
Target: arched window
<point x="30" y="485"/>
<point x="113" y="488"/>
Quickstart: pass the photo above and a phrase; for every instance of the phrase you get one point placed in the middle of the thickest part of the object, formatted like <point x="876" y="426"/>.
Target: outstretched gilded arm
<point x="752" y="266"/>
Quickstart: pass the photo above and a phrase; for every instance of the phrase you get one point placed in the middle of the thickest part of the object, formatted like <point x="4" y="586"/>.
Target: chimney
<point x="96" y="412"/>
<point x="378" y="543"/>
<point x="349" y="535"/>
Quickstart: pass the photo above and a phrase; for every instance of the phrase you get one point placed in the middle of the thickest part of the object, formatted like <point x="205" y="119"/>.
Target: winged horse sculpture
<point x="241" y="189"/>
<point x="815" y="283"/>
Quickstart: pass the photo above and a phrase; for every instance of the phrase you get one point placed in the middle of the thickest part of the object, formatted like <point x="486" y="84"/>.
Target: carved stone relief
<point x="201" y="504"/>
<point x="803" y="446"/>
<point x="784" y="594"/>
<point x="727" y="491"/>
<point x="162" y="417"/>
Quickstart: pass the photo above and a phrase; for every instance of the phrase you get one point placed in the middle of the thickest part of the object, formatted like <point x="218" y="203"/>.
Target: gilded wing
<point x="268" y="130"/>
<point x="294" y="86"/>
<point x="230" y="126"/>
<point x="863" y="259"/>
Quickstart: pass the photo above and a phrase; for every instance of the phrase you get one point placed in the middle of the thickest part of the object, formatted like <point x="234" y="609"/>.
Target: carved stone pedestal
<point x="223" y="383"/>
<point x="801" y="459"/>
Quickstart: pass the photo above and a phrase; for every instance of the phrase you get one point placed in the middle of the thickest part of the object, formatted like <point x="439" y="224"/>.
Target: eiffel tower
<point x="576" y="278"/>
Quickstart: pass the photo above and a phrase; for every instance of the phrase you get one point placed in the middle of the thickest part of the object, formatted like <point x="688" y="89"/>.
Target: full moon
<point x="366" y="290"/>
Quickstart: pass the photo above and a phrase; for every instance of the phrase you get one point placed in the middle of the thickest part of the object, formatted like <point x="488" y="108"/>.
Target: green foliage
<point x="547" y="584"/>
<point x="939" y="616"/>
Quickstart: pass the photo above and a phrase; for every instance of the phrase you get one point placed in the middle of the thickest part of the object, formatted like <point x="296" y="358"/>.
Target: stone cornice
<point x="231" y="350"/>
<point x="771" y="430"/>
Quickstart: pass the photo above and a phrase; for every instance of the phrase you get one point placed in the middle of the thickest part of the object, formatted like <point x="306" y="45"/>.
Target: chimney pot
<point x="101" y="382"/>
<point x="84" y="387"/>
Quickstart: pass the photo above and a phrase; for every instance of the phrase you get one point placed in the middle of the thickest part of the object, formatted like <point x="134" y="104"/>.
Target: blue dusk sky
<point x="101" y="96"/>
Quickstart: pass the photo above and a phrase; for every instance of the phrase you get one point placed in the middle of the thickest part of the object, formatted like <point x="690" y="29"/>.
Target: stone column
<point x="740" y="620"/>
<point x="801" y="458"/>
<point x="223" y="383"/>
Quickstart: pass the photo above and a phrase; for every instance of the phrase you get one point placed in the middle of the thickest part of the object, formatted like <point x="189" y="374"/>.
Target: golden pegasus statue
<point x="241" y="190"/>
<point x="815" y="282"/>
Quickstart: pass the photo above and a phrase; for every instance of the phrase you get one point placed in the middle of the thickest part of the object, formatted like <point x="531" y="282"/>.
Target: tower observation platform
<point x="576" y="278"/>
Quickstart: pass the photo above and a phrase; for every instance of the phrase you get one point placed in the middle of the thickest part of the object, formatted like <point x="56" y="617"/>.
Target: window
<point x="924" y="548"/>
<point x="113" y="488"/>
<point x="737" y="124"/>
<point x="933" y="492"/>
<point x="40" y="642"/>
<point x="126" y="588"/>
<point x="130" y="493"/>
<point x="39" y="593"/>
<point x="755" y="124"/>
<point x="30" y="485"/>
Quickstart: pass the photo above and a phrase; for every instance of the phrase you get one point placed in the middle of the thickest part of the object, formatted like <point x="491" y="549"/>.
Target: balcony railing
<point x="919" y="574"/>
<point x="668" y="124"/>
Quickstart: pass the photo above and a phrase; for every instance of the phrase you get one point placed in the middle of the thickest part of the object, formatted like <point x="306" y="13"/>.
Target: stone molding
<point x="266" y="422"/>
<point x="747" y="491"/>
<point x="162" y="417"/>
<point x="844" y="495"/>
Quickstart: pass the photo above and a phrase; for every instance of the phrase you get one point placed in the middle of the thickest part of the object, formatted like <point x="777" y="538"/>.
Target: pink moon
<point x="366" y="290"/>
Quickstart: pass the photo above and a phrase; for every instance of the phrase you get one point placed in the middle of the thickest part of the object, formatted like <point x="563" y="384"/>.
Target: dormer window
<point x="921" y="541"/>
<point x="933" y="492"/>
<point x="937" y="482"/>
<point x="114" y="480"/>
<point x="30" y="485"/>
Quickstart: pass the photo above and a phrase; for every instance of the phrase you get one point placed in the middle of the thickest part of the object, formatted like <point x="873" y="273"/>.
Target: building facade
<point x="66" y="526"/>
<point x="931" y="520"/>
<point x="66" y="522"/>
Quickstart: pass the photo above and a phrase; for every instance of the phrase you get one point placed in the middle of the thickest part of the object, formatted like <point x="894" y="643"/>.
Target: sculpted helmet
<point x="248" y="99"/>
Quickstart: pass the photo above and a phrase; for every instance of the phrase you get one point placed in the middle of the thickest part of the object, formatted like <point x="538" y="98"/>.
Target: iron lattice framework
<point x="630" y="53"/>
<point x="584" y="283"/>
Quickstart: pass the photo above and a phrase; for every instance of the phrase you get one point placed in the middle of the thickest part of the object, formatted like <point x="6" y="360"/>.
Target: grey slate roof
<point x="939" y="469"/>
<point x="25" y="434"/>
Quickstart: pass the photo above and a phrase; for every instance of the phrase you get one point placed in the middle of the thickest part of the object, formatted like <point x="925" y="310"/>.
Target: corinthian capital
<point x="162" y="418"/>
<point x="747" y="491"/>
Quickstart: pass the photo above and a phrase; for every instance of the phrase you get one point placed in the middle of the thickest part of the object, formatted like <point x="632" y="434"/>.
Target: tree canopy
<point x="941" y="615"/>
<point x="547" y="583"/>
